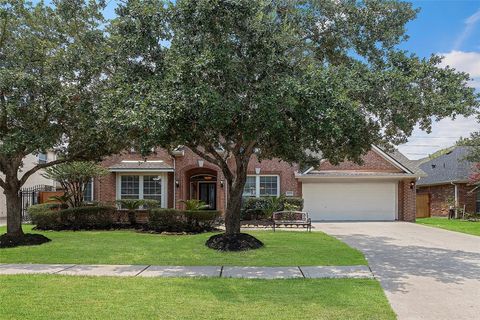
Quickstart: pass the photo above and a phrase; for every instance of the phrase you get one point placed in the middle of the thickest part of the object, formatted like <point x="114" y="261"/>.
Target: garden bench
<point x="291" y="218"/>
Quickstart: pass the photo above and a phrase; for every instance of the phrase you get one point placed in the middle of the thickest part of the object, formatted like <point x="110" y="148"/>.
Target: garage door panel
<point x="350" y="201"/>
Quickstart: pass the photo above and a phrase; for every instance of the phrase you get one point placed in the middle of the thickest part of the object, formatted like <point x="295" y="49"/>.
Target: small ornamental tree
<point x="52" y="71"/>
<point x="74" y="177"/>
<point x="278" y="79"/>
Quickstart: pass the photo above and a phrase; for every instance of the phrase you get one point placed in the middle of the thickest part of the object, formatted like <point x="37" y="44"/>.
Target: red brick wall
<point x="467" y="198"/>
<point x="440" y="194"/>
<point x="187" y="165"/>
<point x="439" y="205"/>
<point x="406" y="201"/>
<point x="372" y="161"/>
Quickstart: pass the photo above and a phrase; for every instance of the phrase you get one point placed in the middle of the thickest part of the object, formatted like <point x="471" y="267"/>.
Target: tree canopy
<point x="52" y="75"/>
<point x="280" y="79"/>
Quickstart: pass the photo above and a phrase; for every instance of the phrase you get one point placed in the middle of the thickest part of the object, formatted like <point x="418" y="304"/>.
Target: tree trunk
<point x="234" y="197"/>
<point x="14" y="212"/>
<point x="234" y="205"/>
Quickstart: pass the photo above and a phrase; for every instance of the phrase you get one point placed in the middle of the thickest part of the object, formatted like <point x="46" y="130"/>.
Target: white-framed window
<point x="142" y="186"/>
<point x="262" y="186"/>
<point x="42" y="158"/>
<point x="152" y="188"/>
<point x="250" y="187"/>
<point x="130" y="187"/>
<point x="88" y="192"/>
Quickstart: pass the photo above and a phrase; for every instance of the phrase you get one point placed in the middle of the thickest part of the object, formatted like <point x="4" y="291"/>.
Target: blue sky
<point x="450" y="28"/>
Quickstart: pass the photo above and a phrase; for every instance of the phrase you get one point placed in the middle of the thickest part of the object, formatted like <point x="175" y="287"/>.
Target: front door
<point x="207" y="192"/>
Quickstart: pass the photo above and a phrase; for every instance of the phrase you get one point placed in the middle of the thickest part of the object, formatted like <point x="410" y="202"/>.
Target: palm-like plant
<point x="131" y="205"/>
<point x="194" y="204"/>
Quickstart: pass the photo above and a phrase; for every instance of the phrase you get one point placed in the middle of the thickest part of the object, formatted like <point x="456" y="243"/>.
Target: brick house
<point x="446" y="183"/>
<point x="381" y="189"/>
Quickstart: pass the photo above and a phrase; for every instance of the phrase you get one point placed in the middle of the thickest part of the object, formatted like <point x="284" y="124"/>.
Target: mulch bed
<point x="233" y="242"/>
<point x="28" y="239"/>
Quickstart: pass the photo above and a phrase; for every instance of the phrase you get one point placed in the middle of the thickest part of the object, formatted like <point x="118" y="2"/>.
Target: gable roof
<point x="449" y="167"/>
<point x="395" y="157"/>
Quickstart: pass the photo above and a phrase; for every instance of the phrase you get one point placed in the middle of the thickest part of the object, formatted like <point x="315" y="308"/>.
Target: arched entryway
<point x="202" y="185"/>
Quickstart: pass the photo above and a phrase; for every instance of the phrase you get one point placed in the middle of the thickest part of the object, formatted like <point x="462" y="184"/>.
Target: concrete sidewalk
<point x="355" y="272"/>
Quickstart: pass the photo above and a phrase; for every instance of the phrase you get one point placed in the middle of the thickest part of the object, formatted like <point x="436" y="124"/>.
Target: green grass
<point x="128" y="247"/>
<point x="469" y="227"/>
<point x="63" y="297"/>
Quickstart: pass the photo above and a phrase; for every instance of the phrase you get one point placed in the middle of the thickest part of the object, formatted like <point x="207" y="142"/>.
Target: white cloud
<point x="444" y="134"/>
<point x="470" y="24"/>
<point x="465" y="61"/>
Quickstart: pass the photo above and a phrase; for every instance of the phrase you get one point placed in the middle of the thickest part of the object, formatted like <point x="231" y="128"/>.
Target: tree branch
<point x="39" y="167"/>
<point x="220" y="163"/>
<point x="2" y="183"/>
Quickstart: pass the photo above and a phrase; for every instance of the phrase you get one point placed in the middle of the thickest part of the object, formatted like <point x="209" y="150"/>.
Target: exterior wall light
<point x="412" y="184"/>
<point x="177" y="183"/>
<point x="221" y="183"/>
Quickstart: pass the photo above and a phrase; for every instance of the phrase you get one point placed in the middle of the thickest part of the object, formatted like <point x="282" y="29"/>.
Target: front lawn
<point x="128" y="247"/>
<point x="469" y="227"/>
<point x="63" y="297"/>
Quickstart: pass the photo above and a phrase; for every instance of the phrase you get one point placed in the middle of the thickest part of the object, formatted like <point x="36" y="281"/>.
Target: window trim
<point x="257" y="185"/>
<point x="163" y="175"/>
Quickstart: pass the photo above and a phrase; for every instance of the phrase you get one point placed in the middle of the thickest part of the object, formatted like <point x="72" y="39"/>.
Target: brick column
<point x="407" y="201"/>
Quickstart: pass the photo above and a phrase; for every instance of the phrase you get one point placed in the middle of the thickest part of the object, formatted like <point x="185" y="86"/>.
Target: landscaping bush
<point x="45" y="216"/>
<point x="165" y="220"/>
<point x="294" y="202"/>
<point x="80" y="218"/>
<point x="262" y="208"/>
<point x="172" y="220"/>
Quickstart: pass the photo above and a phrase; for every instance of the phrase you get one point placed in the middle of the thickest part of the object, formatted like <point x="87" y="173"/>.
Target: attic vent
<point x="433" y="166"/>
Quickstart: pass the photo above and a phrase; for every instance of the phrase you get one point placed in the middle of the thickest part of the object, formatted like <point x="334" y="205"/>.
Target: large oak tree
<point x="284" y="79"/>
<point x="52" y="73"/>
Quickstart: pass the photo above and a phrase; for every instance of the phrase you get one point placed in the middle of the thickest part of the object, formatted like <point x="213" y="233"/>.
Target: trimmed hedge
<point x="255" y="208"/>
<point x="45" y="217"/>
<point x="172" y="220"/>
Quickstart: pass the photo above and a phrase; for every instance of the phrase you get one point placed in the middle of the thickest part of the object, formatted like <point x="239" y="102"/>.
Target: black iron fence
<point x="31" y="196"/>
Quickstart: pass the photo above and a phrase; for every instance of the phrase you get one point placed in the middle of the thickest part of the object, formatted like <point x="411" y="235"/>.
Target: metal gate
<point x="31" y="196"/>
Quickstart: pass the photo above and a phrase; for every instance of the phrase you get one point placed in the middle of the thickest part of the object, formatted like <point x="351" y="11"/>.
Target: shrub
<point x="165" y="220"/>
<point x="134" y="204"/>
<point x="95" y="217"/>
<point x="262" y="208"/>
<point x="80" y="218"/>
<point x="172" y="220"/>
<point x="45" y="216"/>
<point x="296" y="202"/>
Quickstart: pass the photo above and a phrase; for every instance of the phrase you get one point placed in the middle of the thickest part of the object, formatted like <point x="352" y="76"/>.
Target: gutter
<point x="321" y="177"/>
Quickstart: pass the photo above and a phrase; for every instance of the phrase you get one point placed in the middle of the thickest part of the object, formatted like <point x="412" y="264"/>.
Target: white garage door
<point x="350" y="201"/>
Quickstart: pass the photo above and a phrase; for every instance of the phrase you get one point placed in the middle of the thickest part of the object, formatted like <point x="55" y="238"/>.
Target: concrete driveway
<point x="427" y="273"/>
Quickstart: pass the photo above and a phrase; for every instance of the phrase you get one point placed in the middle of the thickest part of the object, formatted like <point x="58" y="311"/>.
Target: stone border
<point x="311" y="272"/>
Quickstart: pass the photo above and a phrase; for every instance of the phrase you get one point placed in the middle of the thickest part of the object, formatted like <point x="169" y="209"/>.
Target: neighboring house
<point x="34" y="180"/>
<point x="383" y="188"/>
<point x="447" y="184"/>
